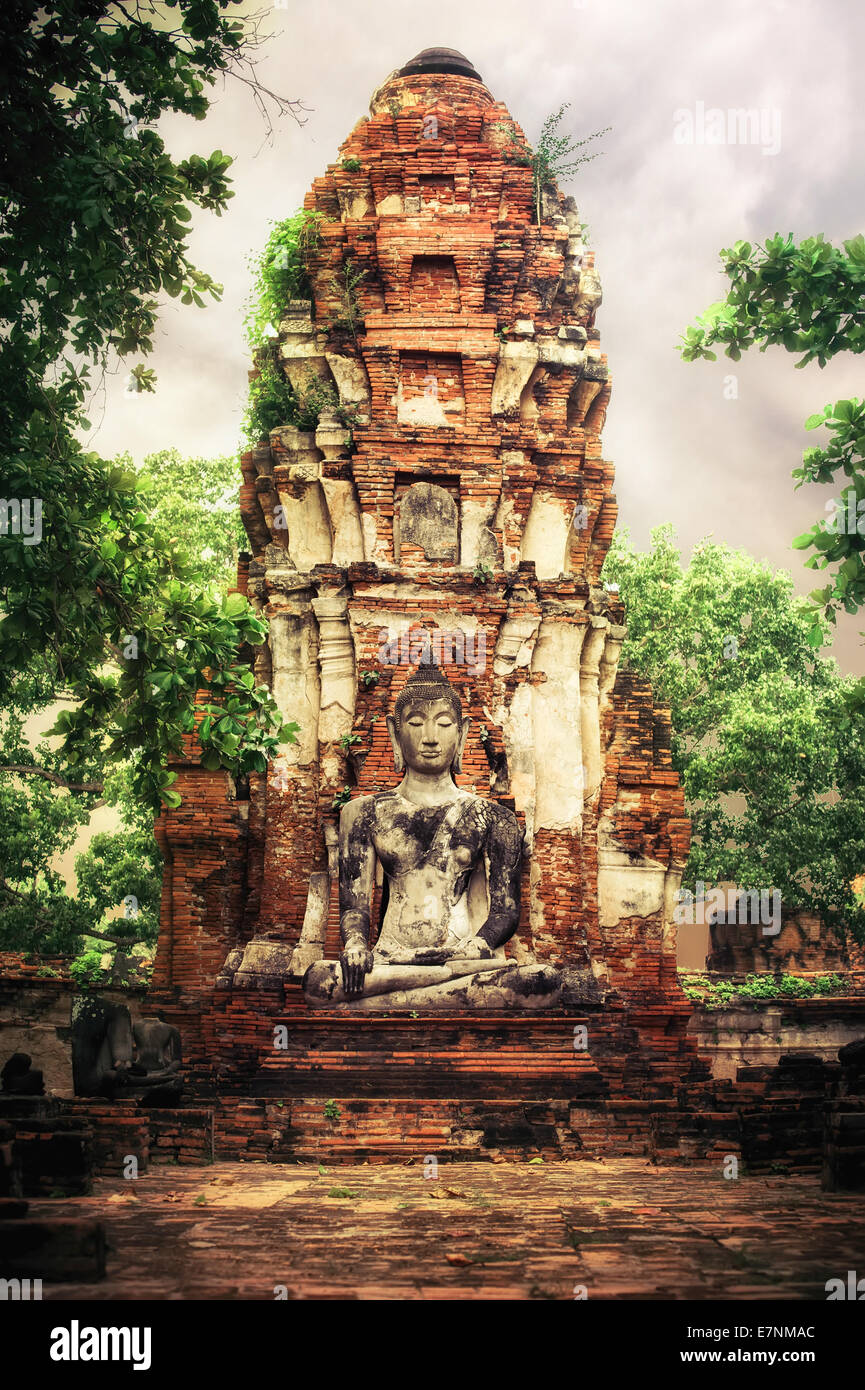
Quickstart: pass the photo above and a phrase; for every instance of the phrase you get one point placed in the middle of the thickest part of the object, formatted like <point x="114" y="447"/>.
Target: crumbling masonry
<point x="458" y="496"/>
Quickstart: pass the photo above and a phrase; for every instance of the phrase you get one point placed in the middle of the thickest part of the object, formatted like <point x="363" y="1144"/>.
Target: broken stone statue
<point x="110" y="1054"/>
<point x="20" y="1078"/>
<point x="451" y="862"/>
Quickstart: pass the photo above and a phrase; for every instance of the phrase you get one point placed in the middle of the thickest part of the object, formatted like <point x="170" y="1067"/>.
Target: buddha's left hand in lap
<point x="473" y="948"/>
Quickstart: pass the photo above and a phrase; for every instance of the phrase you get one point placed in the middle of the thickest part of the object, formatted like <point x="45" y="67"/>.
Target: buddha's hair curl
<point x="426" y="684"/>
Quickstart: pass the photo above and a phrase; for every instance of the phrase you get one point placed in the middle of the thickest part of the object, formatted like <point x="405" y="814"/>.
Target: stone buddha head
<point x="427" y="728"/>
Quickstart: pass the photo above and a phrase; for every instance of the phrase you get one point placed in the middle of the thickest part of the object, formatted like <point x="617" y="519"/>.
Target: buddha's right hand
<point x="356" y="962"/>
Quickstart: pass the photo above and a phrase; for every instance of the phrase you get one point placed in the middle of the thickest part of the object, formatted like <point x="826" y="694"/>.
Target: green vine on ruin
<point x="554" y="156"/>
<point x="280" y="273"/>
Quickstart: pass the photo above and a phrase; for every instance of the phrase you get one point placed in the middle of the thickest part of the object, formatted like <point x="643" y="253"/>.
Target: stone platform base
<point x="339" y="1130"/>
<point x="703" y="1123"/>
<point x="773" y="1124"/>
<point x="270" y="1081"/>
<point x="250" y="1047"/>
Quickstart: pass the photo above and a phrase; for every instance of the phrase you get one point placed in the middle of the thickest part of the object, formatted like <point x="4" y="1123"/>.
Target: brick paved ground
<point x="623" y="1228"/>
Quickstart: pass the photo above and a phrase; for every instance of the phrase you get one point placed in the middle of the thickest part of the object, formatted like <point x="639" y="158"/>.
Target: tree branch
<point x="114" y="940"/>
<point x="33" y="770"/>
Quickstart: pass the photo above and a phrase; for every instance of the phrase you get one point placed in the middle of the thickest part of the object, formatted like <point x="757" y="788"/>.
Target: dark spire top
<point x="426" y="683"/>
<point x="428" y="673"/>
<point x="440" y="60"/>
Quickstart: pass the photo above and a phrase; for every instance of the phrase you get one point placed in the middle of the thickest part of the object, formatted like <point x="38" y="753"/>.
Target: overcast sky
<point x="658" y="213"/>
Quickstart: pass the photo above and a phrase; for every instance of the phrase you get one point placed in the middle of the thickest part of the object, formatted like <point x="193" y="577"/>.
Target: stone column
<point x="292" y="789"/>
<point x="556" y="895"/>
<point x="590" y="724"/>
<point x="338" y="679"/>
<point x="547" y="531"/>
<point x="609" y="667"/>
<point x="556" y="720"/>
<point x="333" y="439"/>
<point x="297" y="479"/>
<point x="337" y="693"/>
<point x="513" y="709"/>
<point x="323" y="887"/>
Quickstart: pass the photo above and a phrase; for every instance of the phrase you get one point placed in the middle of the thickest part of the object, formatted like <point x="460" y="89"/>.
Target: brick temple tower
<point x="454" y="498"/>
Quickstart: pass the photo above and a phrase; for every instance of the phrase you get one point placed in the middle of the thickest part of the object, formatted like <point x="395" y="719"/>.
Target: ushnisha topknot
<point x="426" y="684"/>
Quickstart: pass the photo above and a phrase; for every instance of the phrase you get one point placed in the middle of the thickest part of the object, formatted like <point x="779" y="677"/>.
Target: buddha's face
<point x="429" y="736"/>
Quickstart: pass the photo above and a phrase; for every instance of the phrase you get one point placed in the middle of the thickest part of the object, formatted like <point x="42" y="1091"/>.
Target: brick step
<point x="432" y="1085"/>
<point x="438" y="1066"/>
<point x="351" y="1156"/>
<point x="399" y="1131"/>
<point x="123" y="1130"/>
<point x="384" y="1083"/>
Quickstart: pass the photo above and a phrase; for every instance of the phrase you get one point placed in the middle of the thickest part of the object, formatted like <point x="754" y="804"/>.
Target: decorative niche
<point x="426" y="518"/>
<point x="430" y="394"/>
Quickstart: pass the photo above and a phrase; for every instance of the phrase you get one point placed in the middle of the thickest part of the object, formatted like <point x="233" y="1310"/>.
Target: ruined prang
<point x="454" y="494"/>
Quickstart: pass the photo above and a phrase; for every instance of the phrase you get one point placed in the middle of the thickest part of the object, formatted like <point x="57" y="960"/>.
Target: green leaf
<point x="234" y="605"/>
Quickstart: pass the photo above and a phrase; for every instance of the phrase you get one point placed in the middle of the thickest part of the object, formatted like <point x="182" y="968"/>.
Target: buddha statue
<point x="451" y="864"/>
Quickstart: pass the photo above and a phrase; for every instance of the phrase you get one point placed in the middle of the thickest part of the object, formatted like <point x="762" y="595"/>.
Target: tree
<point x="772" y="784"/>
<point x="38" y="822"/>
<point x="40" y="819"/>
<point x="121" y="869"/>
<point x="43" y="810"/>
<point x="193" y="501"/>
<point x="279" y="274"/>
<point x="809" y="299"/>
<point x="99" y="607"/>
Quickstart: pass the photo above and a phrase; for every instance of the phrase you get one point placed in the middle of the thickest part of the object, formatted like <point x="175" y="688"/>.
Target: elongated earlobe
<point x="457" y="764"/>
<point x="398" y="760"/>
